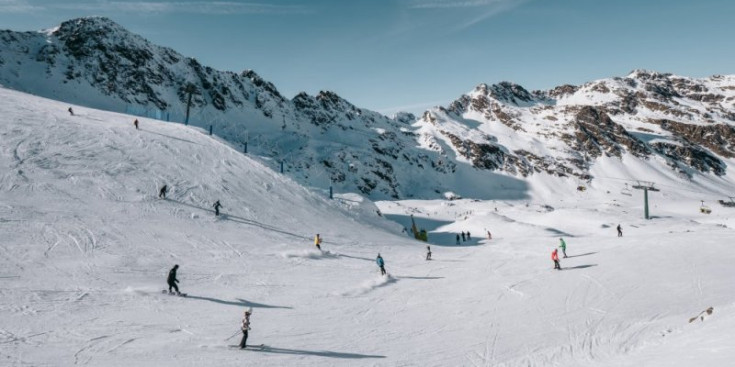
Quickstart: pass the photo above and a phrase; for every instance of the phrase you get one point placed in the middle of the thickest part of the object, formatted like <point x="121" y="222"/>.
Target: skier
<point x="381" y="264"/>
<point x="245" y="327"/>
<point x="71" y="112"/>
<point x="216" y="206"/>
<point x="172" y="280"/>
<point x="563" y="246"/>
<point x="428" y="252"/>
<point x="489" y="235"/>
<point x="136" y="124"/>
<point x="463" y="238"/>
<point x="162" y="192"/>
<point x="458" y="239"/>
<point x="318" y="242"/>
<point x="620" y="231"/>
<point x="555" y="257"/>
<point x="468" y="235"/>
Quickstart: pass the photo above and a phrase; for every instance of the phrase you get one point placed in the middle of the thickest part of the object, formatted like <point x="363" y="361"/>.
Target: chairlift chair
<point x="626" y="191"/>
<point x="704" y="209"/>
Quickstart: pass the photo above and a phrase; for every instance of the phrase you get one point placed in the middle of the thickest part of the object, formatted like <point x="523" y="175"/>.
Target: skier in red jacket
<point x="555" y="257"/>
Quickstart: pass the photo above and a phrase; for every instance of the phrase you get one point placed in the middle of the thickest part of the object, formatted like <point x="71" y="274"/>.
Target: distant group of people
<point x="465" y="237"/>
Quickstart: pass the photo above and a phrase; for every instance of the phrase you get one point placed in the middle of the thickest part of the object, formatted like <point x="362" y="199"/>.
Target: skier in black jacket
<point x="172" y="279"/>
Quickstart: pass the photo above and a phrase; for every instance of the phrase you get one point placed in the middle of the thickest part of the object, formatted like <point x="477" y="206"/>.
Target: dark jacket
<point x="172" y="276"/>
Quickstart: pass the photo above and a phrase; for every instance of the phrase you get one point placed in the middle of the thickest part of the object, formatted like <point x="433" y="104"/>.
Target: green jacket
<point x="563" y="244"/>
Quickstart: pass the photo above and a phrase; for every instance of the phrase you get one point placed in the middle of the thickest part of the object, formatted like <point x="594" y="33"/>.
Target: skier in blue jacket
<point x="381" y="264"/>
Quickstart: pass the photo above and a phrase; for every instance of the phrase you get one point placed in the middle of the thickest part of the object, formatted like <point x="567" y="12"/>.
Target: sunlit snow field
<point x="85" y="246"/>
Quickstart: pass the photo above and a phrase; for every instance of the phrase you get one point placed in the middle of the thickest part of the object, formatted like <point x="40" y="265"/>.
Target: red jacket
<point x="554" y="255"/>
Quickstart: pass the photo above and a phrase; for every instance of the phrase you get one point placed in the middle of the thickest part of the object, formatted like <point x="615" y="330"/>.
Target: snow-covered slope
<point x="86" y="246"/>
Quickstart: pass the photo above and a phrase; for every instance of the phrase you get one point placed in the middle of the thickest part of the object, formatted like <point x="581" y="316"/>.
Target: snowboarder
<point x="162" y="192"/>
<point x="463" y="238"/>
<point x="318" y="242"/>
<point x="563" y="246"/>
<point x="489" y="235"/>
<point x="468" y="235"/>
<point x="620" y="231"/>
<point x="428" y="252"/>
<point x="216" y="206"/>
<point x="71" y="112"/>
<point x="136" y="124"/>
<point x="381" y="264"/>
<point x="245" y="327"/>
<point x="458" y="239"/>
<point x="172" y="280"/>
<point x="555" y="257"/>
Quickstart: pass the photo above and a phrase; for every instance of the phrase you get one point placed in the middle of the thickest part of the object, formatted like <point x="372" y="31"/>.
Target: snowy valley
<point x="87" y="243"/>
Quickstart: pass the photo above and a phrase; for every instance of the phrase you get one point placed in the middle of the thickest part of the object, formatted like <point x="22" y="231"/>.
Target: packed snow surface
<point x="86" y="245"/>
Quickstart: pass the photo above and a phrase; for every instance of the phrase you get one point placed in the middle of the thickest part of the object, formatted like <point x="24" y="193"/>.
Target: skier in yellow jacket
<point x="318" y="242"/>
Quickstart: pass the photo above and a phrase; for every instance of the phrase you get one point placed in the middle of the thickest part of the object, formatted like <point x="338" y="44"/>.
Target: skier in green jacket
<point x="563" y="246"/>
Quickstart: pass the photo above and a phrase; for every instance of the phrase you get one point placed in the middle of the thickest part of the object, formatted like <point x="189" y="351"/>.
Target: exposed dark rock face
<point x="596" y="134"/>
<point x="719" y="138"/>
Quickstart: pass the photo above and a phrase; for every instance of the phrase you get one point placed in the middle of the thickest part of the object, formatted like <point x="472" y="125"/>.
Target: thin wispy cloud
<point x="17" y="6"/>
<point x="156" y="7"/>
<point x="476" y="10"/>
<point x="447" y="4"/>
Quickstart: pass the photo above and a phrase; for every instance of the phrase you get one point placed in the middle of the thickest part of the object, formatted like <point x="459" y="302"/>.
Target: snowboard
<point x="174" y="294"/>
<point x="250" y="347"/>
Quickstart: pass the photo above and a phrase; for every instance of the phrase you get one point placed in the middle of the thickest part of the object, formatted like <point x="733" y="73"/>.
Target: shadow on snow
<point x="580" y="255"/>
<point x="317" y="353"/>
<point x="579" y="267"/>
<point x="435" y="238"/>
<point x="240" y="302"/>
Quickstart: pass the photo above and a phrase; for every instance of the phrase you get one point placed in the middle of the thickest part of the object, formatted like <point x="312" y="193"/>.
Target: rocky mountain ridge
<point x="686" y="122"/>
<point x="498" y="134"/>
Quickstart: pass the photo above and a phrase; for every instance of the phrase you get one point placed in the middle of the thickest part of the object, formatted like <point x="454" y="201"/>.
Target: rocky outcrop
<point x="596" y="134"/>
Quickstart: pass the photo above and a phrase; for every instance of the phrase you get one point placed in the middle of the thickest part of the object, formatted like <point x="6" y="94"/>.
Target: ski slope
<point x="86" y="245"/>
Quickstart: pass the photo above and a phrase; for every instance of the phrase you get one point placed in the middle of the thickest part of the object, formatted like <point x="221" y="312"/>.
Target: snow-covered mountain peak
<point x="494" y="133"/>
<point x="503" y="92"/>
<point x="91" y="25"/>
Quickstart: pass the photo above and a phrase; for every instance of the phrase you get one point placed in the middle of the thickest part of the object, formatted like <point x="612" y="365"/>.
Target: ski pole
<point x="237" y="332"/>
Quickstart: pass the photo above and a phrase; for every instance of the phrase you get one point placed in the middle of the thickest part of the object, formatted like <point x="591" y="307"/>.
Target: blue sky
<point x="389" y="55"/>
